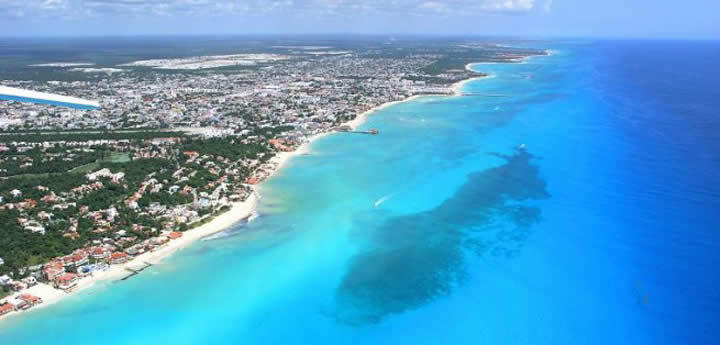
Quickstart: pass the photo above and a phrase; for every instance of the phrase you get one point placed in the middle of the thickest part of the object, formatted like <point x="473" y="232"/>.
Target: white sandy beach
<point x="239" y="211"/>
<point x="50" y="295"/>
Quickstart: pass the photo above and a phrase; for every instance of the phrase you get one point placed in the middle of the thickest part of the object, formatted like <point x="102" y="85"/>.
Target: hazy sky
<point x="582" y="18"/>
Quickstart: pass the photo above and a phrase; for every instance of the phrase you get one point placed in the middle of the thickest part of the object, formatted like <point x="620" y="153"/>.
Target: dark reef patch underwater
<point x="412" y="259"/>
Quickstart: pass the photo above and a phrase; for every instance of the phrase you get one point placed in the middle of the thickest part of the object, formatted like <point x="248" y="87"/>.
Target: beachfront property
<point x="101" y="253"/>
<point x="118" y="258"/>
<point x="27" y="301"/>
<point x="6" y="308"/>
<point x="66" y="281"/>
<point x="53" y="269"/>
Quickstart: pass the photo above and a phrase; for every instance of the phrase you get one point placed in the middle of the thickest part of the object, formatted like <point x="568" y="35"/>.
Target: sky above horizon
<point x="536" y="18"/>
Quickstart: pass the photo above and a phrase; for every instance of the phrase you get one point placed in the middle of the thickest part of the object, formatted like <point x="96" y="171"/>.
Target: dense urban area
<point x="176" y="142"/>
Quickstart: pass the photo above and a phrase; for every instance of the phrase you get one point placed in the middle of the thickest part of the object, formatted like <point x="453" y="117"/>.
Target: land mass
<point x="170" y="158"/>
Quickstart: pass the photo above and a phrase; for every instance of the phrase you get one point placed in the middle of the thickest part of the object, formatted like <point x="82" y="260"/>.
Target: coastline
<point x="50" y="295"/>
<point x="281" y="158"/>
<point x="237" y="212"/>
<point x="457" y="87"/>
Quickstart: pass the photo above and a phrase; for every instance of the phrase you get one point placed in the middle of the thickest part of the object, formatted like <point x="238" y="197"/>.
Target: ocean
<point x="569" y="199"/>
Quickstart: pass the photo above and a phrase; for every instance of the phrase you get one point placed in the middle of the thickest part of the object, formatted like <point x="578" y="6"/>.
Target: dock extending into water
<point x="480" y="94"/>
<point x="136" y="271"/>
<point x="348" y="129"/>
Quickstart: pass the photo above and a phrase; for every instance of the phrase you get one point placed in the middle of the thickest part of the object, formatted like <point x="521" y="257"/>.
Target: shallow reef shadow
<point x="413" y="259"/>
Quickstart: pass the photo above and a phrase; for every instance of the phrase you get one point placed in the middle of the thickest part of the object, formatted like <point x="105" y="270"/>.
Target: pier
<point x="348" y="129"/>
<point x="369" y="131"/>
<point x="136" y="271"/>
<point x="479" y="94"/>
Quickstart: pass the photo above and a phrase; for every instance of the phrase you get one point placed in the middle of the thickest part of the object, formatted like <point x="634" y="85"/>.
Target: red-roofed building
<point x="100" y="253"/>
<point x="79" y="258"/>
<point x="53" y="269"/>
<point x="191" y="154"/>
<point x="49" y="198"/>
<point x="118" y="258"/>
<point x="28" y="301"/>
<point x="174" y="235"/>
<point x="6" y="308"/>
<point x="66" y="280"/>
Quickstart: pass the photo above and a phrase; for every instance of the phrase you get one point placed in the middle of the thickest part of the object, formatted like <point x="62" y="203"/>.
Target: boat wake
<point x="382" y="200"/>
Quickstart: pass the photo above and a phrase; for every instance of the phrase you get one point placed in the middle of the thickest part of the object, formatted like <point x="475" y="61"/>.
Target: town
<point x="176" y="143"/>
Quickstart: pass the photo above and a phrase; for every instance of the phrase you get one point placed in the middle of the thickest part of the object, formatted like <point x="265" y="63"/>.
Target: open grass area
<point x="84" y="169"/>
<point x="114" y="157"/>
<point x="118" y="157"/>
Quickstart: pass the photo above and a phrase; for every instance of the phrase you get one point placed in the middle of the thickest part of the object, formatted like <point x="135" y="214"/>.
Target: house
<point x="49" y="198"/>
<point x="53" y="269"/>
<point x="134" y="250"/>
<point x="5" y="280"/>
<point x="79" y="258"/>
<point x="159" y="241"/>
<point x="2" y="261"/>
<point x="118" y="258"/>
<point x="191" y="154"/>
<point x="174" y="235"/>
<point x="66" y="281"/>
<point x="27" y="301"/>
<point x="6" y="308"/>
<point x="100" y="253"/>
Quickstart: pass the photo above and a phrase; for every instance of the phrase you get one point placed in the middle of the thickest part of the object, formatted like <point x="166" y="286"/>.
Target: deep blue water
<point x="578" y="206"/>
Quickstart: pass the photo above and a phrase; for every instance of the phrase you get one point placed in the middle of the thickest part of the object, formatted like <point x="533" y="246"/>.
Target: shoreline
<point x="238" y="211"/>
<point x="457" y="87"/>
<point x="50" y="295"/>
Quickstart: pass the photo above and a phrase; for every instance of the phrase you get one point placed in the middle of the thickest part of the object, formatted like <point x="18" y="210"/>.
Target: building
<point x="118" y="258"/>
<point x="53" y="269"/>
<point x="66" y="281"/>
<point x="100" y="253"/>
<point x="6" y="308"/>
<point x="27" y="301"/>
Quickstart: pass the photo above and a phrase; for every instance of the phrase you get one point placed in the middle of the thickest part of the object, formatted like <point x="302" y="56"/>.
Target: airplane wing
<point x="20" y="95"/>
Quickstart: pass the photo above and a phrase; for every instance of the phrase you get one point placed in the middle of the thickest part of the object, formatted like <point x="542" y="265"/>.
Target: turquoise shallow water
<point x="537" y="215"/>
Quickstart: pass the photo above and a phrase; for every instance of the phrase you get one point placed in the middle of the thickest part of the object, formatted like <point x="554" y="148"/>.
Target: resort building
<point x="66" y="281"/>
<point x="100" y="253"/>
<point x="6" y="308"/>
<point x="53" y="269"/>
<point x="27" y="301"/>
<point x="118" y="258"/>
